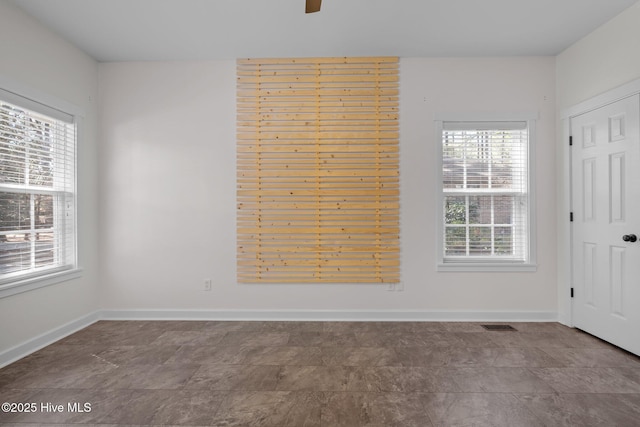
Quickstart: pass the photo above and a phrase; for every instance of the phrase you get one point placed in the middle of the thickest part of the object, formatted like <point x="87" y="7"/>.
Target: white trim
<point x="35" y="106"/>
<point x="492" y="265"/>
<point x="21" y="350"/>
<point x="532" y="218"/>
<point x="39" y="281"/>
<point x="565" y="304"/>
<point x="485" y="116"/>
<point x="624" y="91"/>
<point x="40" y="97"/>
<point x="565" y="236"/>
<point x="43" y="103"/>
<point x="488" y="266"/>
<point x="332" y="315"/>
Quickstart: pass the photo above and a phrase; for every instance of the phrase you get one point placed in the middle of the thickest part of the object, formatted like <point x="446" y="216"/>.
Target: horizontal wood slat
<point x="317" y="170"/>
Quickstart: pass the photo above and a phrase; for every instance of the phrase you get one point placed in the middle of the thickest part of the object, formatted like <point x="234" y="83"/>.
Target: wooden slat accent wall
<point x="317" y="170"/>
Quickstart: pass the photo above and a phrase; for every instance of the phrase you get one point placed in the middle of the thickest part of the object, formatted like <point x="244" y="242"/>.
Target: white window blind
<point x="37" y="189"/>
<point x="485" y="192"/>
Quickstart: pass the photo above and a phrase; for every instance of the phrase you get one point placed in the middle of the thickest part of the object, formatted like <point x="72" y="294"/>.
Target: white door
<point x="606" y="219"/>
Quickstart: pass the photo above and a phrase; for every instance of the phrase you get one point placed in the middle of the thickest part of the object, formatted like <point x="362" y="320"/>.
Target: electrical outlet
<point x="207" y="284"/>
<point x="399" y="286"/>
<point x="391" y="287"/>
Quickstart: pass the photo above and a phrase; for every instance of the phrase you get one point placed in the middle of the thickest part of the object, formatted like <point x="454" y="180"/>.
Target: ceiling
<point x="146" y="30"/>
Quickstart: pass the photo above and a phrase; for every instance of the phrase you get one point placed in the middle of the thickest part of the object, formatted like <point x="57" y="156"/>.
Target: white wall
<point x="167" y="190"/>
<point x="41" y="62"/>
<point x="606" y="58"/>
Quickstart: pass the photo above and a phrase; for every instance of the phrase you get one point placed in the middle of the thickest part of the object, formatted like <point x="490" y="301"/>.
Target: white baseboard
<point x="333" y="315"/>
<point x="15" y="353"/>
<point x="21" y="350"/>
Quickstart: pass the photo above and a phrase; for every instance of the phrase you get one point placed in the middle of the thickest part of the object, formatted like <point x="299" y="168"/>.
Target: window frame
<point x="41" y="103"/>
<point x="487" y="264"/>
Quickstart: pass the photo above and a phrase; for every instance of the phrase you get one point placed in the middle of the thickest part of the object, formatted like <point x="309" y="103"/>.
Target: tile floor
<point x="304" y="374"/>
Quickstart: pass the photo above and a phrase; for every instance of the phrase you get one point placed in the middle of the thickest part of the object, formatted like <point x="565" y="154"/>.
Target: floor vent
<point x="499" y="327"/>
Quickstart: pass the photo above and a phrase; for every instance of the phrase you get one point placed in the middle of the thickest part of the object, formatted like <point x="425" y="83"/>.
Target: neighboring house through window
<point x="486" y="198"/>
<point x="37" y="191"/>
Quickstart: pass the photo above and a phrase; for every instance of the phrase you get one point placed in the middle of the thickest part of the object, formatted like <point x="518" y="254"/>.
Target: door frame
<point x="565" y="233"/>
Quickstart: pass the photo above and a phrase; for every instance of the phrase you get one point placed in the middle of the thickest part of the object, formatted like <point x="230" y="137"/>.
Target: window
<point x="317" y="162"/>
<point x="486" y="197"/>
<point x="37" y="190"/>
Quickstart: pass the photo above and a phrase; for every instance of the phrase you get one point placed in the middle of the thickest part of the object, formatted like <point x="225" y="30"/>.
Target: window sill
<point x="31" y="283"/>
<point x="485" y="267"/>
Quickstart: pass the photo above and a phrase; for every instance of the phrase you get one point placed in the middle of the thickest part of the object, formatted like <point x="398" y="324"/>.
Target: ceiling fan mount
<point x="312" y="6"/>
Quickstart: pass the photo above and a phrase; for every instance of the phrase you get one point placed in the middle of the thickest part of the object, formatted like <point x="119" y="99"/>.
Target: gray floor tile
<point x="528" y="339"/>
<point x="478" y="356"/>
<point x="284" y="355"/>
<point x="524" y="357"/>
<point x="589" y="380"/>
<point x="401" y="379"/>
<point x="269" y="409"/>
<point x="189" y="407"/>
<point x="584" y="410"/>
<point x="167" y="376"/>
<point x="462" y="327"/>
<point x="375" y="409"/>
<point x="254" y="338"/>
<point x="424" y="356"/>
<point x="322" y="339"/>
<point x="136" y="354"/>
<point x="498" y="380"/>
<point x="359" y="356"/>
<point x="193" y="354"/>
<point x="178" y="338"/>
<point x="291" y="326"/>
<point x="233" y="326"/>
<point x="81" y="376"/>
<point x="314" y="378"/>
<point x="234" y="377"/>
<point x="479" y="410"/>
<point x="228" y="373"/>
<point x="593" y="357"/>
